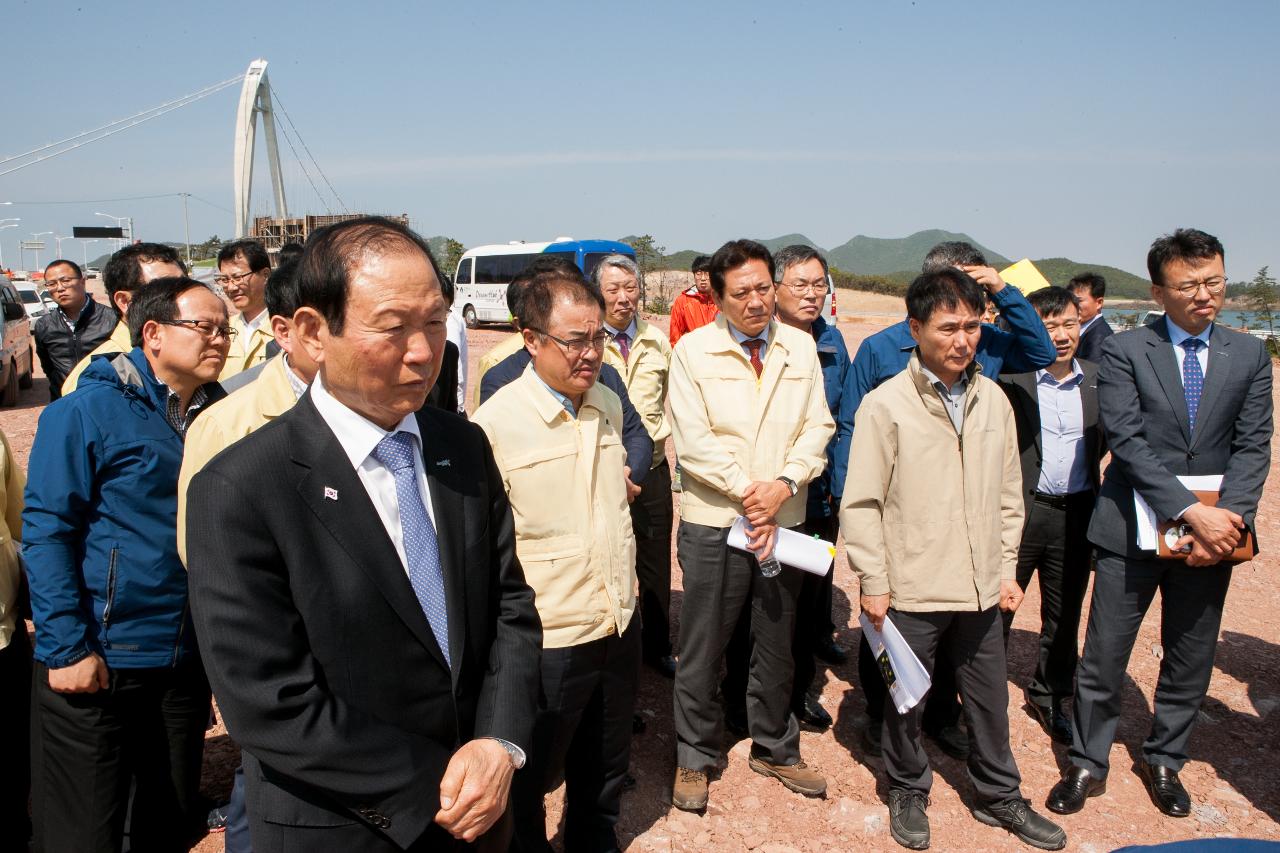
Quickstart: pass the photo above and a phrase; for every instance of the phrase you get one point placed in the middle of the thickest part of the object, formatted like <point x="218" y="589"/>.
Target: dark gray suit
<point x="1055" y="535"/>
<point x="1144" y="415"/>
<point x="1091" y="341"/>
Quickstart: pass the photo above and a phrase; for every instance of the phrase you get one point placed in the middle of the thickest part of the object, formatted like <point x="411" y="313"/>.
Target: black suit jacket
<point x="1023" y="393"/>
<point x="324" y="666"/>
<point x="1144" y="415"/>
<point x="444" y="394"/>
<point x="1090" y="348"/>
<point x="635" y="438"/>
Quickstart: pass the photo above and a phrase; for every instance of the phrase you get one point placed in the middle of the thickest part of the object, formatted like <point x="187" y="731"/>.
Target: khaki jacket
<point x="12" y="482"/>
<point x="645" y="375"/>
<point x="503" y="348"/>
<point x="732" y="429"/>
<point x="120" y="341"/>
<point x="248" y="349"/>
<point x="564" y="477"/>
<point x="931" y="517"/>
<point x="226" y="422"/>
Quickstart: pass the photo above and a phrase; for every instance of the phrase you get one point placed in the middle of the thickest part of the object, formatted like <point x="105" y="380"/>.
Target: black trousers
<point x="15" y="720"/>
<point x="1055" y="543"/>
<point x="976" y="645"/>
<point x="941" y="706"/>
<point x="651" y="516"/>
<point x="722" y="586"/>
<point x="148" y="728"/>
<point x="582" y="735"/>
<point x="1191" y="599"/>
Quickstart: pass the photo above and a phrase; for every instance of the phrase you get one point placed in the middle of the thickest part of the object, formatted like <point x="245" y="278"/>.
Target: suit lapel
<point x="1165" y="364"/>
<point x="333" y="491"/>
<point x="1215" y="377"/>
<point x="446" y="502"/>
<point x="1089" y="395"/>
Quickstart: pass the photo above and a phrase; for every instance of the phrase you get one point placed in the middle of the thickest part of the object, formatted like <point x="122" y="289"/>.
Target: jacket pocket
<point x="111" y="593"/>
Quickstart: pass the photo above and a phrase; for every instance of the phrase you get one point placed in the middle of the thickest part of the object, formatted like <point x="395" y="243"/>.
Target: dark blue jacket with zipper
<point x="99" y="527"/>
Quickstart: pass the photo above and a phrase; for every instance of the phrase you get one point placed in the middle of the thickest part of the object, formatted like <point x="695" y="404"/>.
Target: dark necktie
<point x="1192" y="378"/>
<point x="421" y="549"/>
<point x="624" y="345"/>
<point x="754" y="345"/>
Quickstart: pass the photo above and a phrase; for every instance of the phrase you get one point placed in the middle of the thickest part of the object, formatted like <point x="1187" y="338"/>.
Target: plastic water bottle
<point x="769" y="566"/>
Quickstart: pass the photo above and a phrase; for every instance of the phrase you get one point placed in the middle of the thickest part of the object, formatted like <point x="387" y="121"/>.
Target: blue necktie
<point x="1192" y="379"/>
<point x="396" y="451"/>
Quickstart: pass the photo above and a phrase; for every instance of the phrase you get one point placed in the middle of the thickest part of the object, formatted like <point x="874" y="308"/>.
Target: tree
<point x="452" y="254"/>
<point x="648" y="256"/>
<point x="1261" y="297"/>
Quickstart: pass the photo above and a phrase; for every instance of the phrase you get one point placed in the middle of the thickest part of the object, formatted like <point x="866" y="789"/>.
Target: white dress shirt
<point x="359" y="436"/>
<point x="456" y="331"/>
<point x="1064" y="469"/>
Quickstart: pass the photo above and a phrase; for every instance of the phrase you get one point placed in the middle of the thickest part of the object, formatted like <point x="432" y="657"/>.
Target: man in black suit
<point x="1060" y="443"/>
<point x="1181" y="397"/>
<point x="365" y="623"/>
<point x="1090" y="290"/>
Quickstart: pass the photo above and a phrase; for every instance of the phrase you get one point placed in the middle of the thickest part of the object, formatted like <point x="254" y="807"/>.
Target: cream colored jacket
<point x="931" y="517"/>
<point x="732" y="429"/>
<point x="12" y="482"/>
<point x="645" y="375"/>
<point x="564" y="477"/>
<point x="248" y="349"/>
<point x="507" y="346"/>
<point x="120" y="341"/>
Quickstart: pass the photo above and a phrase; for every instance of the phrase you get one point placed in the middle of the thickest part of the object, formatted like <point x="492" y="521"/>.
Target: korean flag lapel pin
<point x="330" y="493"/>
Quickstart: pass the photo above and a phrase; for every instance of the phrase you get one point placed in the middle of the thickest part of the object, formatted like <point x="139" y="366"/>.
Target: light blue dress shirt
<point x="1177" y="335"/>
<point x="1064" y="469"/>
<point x="742" y="338"/>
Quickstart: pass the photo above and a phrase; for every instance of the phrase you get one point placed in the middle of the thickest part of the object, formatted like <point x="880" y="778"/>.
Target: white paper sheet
<point x="1146" y="516"/>
<point x="807" y="553"/>
<point x="906" y="677"/>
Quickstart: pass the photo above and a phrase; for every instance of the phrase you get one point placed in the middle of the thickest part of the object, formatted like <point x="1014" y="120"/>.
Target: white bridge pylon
<point x="255" y="99"/>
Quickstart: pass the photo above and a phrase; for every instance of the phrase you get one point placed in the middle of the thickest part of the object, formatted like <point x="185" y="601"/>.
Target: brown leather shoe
<point x="689" y="793"/>
<point x="799" y="777"/>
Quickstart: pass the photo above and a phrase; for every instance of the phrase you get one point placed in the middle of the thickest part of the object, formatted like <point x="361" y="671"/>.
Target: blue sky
<point x="1080" y="130"/>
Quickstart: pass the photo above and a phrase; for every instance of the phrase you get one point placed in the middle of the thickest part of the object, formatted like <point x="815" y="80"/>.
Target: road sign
<point x="31" y="245"/>
<point x="82" y="232"/>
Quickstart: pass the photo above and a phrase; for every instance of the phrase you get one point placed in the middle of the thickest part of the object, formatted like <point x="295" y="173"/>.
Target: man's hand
<point x="985" y="276"/>
<point x="1216" y="530"/>
<point x="762" y="500"/>
<point x="633" y="491"/>
<point x="1010" y="596"/>
<point x="876" y="607"/>
<point x="473" y="792"/>
<point x="87" y="675"/>
<point x="761" y="538"/>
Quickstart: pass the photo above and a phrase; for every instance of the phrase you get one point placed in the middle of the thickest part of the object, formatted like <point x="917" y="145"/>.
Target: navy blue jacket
<point x="1025" y="347"/>
<point x="833" y="355"/>
<point x="635" y="438"/>
<point x="100" y="522"/>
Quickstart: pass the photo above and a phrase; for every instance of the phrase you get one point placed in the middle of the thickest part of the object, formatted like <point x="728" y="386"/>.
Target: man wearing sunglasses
<point x="243" y="268"/>
<point x="66" y="334"/>
<point x="121" y="697"/>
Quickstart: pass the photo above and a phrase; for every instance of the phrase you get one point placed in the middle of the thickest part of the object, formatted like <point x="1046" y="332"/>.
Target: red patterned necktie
<point x="754" y="345"/>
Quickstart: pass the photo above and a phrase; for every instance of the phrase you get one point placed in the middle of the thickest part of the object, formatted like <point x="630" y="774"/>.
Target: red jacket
<point x="691" y="310"/>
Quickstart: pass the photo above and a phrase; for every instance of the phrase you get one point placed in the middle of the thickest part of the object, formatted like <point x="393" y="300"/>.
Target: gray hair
<point x="622" y="262"/>
<point x="787" y="257"/>
<point x="954" y="253"/>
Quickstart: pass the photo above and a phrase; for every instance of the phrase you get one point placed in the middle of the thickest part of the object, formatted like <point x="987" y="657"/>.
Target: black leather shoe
<point x="871" y="737"/>
<point x="908" y="822"/>
<point x="1055" y="722"/>
<point x="664" y="666"/>
<point x="1165" y="789"/>
<point x="812" y="714"/>
<point x="1017" y="816"/>
<point x="830" y="651"/>
<point x="1076" y="786"/>
<point x="952" y="740"/>
<point x="735" y="720"/>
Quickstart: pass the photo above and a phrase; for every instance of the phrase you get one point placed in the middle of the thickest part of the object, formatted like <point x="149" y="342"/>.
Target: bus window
<point x="500" y="269"/>
<point x="464" y="272"/>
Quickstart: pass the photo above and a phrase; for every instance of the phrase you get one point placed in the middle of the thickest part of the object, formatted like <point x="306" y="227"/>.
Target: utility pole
<point x="186" y="226"/>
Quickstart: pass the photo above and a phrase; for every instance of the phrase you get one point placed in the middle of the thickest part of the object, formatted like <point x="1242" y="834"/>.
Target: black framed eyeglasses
<point x="207" y="328"/>
<point x="577" y="346"/>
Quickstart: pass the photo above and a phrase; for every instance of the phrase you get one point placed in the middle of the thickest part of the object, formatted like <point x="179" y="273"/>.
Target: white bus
<point x="483" y="273"/>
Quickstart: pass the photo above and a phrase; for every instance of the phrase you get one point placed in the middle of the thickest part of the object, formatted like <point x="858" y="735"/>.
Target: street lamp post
<point x="119" y="220"/>
<point x="84" y="245"/>
<point x="12" y="222"/>
<point x="36" y="235"/>
<point x="58" y="240"/>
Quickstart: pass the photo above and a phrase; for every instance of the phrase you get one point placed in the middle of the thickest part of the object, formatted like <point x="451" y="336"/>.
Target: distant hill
<point x="791" y="240"/>
<point x="880" y="256"/>
<point x="1120" y="284"/>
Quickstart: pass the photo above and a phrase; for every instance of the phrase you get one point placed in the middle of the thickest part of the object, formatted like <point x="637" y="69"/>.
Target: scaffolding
<point x="274" y="232"/>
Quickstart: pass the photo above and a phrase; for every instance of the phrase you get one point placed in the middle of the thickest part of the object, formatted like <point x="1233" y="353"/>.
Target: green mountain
<point x="791" y="240"/>
<point x="883" y="256"/>
<point x="1121" y="284"/>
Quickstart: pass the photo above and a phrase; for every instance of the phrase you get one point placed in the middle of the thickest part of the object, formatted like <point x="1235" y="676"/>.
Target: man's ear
<point x="530" y="341"/>
<point x="310" y="331"/>
<point x="280" y="331"/>
<point x="121" y="299"/>
<point x="914" y="326"/>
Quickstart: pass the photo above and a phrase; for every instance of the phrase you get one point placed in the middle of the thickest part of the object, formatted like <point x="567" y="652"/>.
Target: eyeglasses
<point x="1191" y="288"/>
<point x="803" y="288"/>
<point x="577" y="346"/>
<point x="207" y="328"/>
<point x="233" y="278"/>
<point x="61" y="283"/>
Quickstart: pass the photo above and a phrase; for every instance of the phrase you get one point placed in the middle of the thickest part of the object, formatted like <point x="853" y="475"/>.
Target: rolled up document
<point x="906" y="677"/>
<point x="807" y="553"/>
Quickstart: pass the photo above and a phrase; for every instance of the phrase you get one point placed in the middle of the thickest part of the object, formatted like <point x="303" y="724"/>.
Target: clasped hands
<point x="760" y="504"/>
<point x="1215" y="533"/>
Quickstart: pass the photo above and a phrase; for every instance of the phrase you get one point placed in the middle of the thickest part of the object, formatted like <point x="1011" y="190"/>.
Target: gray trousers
<point x="975" y="645"/>
<point x="1191" y="599"/>
<point x="720" y="583"/>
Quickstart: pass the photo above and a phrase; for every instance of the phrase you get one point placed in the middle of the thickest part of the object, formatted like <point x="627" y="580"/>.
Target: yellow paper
<point x="1024" y="276"/>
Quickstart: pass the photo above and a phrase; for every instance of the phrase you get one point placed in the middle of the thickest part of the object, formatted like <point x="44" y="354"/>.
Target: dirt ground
<point x="1233" y="777"/>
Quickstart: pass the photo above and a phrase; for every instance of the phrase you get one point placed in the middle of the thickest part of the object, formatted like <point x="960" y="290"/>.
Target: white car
<point x="37" y="303"/>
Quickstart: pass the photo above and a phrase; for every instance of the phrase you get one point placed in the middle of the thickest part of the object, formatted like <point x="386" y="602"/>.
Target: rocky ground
<point x="1233" y="778"/>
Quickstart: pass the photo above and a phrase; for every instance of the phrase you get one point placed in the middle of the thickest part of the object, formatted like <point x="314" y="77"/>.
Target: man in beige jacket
<point x="557" y="439"/>
<point x="751" y="424"/>
<point x="932" y="517"/>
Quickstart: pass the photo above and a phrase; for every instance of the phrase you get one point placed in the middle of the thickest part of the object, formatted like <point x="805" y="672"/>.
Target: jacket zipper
<point x="111" y="594"/>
